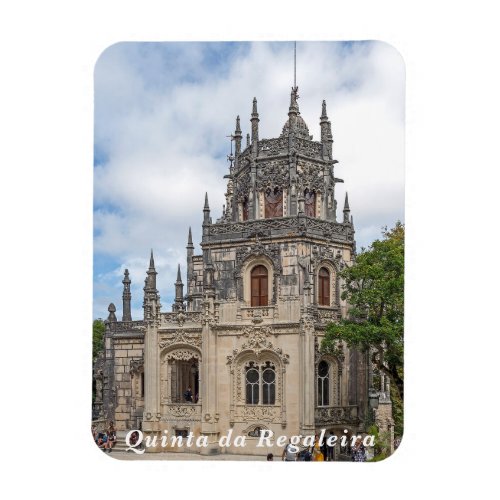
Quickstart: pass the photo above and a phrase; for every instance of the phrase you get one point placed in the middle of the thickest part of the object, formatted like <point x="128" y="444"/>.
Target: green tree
<point x="98" y="329"/>
<point x="374" y="289"/>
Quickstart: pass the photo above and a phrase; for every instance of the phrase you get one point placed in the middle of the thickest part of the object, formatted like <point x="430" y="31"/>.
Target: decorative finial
<point x="323" y="111"/>
<point x="238" y="129"/>
<point x="179" y="279"/>
<point x="190" y="238"/>
<point x="151" y="261"/>
<point x="206" y="207"/>
<point x="346" y="202"/>
<point x="112" y="310"/>
<point x="254" y="107"/>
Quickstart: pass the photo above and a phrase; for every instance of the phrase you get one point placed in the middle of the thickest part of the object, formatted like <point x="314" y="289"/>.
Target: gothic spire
<point x="126" y="297"/>
<point x="346" y="210"/>
<point x="151" y="274"/>
<point x="237" y="136"/>
<point x="151" y="262"/>
<point x="255" y="121"/>
<point x="206" y="211"/>
<point x="190" y="239"/>
<point x="179" y="291"/>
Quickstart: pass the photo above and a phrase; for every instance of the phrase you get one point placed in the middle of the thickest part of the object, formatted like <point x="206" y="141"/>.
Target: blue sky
<point x="162" y="111"/>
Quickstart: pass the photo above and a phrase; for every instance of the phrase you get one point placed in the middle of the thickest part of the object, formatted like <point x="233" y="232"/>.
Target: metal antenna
<point x="295" y="64"/>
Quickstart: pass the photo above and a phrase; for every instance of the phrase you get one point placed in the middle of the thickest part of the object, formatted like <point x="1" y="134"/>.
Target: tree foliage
<point x="98" y="330"/>
<point x="374" y="289"/>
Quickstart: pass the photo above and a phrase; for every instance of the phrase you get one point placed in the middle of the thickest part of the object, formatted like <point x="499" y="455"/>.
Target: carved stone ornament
<point x="180" y="337"/>
<point x="182" y="355"/>
<point x="272" y="175"/>
<point x="310" y="176"/>
<point x="243" y="185"/>
<point x="258" y="341"/>
<point x="136" y="366"/>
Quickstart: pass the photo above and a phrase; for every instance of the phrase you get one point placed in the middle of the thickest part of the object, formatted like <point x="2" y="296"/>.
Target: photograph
<point x="248" y="251"/>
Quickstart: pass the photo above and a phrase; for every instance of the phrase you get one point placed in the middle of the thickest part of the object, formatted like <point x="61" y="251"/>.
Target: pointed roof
<point x="238" y="127"/>
<point x="151" y="261"/>
<point x="179" y="279"/>
<point x="190" y="238"/>
<point x="346" y="203"/>
<point x="206" y="207"/>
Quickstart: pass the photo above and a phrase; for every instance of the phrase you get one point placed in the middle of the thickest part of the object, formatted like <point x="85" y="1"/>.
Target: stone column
<point x="306" y="368"/>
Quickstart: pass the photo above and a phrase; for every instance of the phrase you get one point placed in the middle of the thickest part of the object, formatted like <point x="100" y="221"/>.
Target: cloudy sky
<point x="162" y="114"/>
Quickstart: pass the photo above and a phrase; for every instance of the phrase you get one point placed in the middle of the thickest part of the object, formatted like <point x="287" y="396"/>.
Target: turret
<point x="151" y="303"/>
<point x="326" y="132"/>
<point x="255" y="122"/>
<point x="179" y="292"/>
<point x="237" y="137"/>
<point x="206" y="211"/>
<point x="126" y="297"/>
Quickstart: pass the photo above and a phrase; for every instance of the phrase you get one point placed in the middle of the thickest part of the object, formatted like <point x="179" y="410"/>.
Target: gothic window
<point x="260" y="384"/>
<point x="252" y="385"/>
<point x="273" y="203"/>
<point x="268" y="384"/>
<point x="245" y="209"/>
<point x="310" y="203"/>
<point x="323" y="383"/>
<point x="258" y="278"/>
<point x="324" y="287"/>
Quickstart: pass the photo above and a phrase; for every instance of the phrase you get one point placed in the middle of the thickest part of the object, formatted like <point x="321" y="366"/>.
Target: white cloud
<point x="162" y="114"/>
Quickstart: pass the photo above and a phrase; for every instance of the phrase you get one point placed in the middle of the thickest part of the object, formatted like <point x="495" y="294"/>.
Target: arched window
<point x="323" y="383"/>
<point x="259" y="286"/>
<point x="260" y="383"/>
<point x="310" y="203"/>
<point x="268" y="384"/>
<point x="324" y="287"/>
<point x="252" y="385"/>
<point x="273" y="203"/>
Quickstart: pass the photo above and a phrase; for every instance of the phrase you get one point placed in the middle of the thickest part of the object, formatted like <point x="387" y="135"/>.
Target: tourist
<point x="111" y="437"/>
<point x="317" y="456"/>
<point x="289" y="455"/>
<point x="188" y="395"/>
<point x="358" y="451"/>
<point x="270" y="457"/>
<point x="329" y="447"/>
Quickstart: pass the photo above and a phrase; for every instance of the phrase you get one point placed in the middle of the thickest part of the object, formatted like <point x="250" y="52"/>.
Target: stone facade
<point x="245" y="337"/>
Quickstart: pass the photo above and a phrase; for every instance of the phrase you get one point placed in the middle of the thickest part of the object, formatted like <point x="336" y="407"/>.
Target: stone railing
<point x="127" y="326"/>
<point x="179" y="318"/>
<point x="180" y="411"/>
<point x="296" y="225"/>
<point x="332" y="415"/>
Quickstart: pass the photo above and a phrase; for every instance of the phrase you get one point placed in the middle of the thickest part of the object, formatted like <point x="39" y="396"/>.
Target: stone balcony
<point x="336" y="415"/>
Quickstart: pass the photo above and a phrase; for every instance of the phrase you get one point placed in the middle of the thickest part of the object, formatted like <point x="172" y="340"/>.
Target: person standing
<point x="358" y="451"/>
<point x="188" y="395"/>
<point x="329" y="448"/>
<point x="317" y="456"/>
<point x="289" y="453"/>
